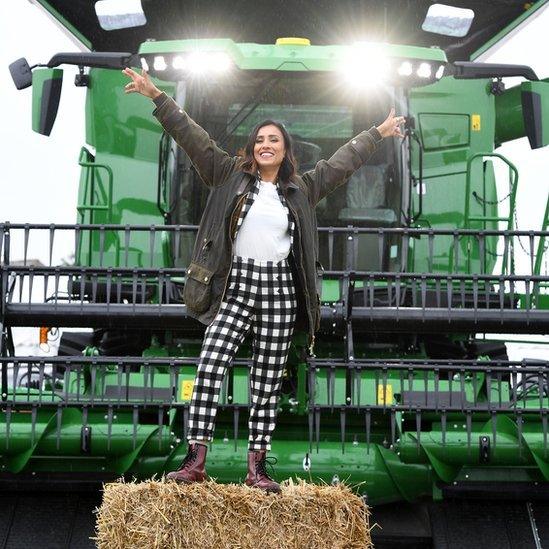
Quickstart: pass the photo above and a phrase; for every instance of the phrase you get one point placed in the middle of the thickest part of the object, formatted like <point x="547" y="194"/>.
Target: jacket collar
<point x="247" y="182"/>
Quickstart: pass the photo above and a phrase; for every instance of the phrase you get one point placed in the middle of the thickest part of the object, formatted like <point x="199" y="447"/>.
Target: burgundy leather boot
<point x="257" y="473"/>
<point x="192" y="468"/>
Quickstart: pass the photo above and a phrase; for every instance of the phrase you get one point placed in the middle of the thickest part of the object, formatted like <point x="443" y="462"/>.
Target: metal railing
<point x="362" y="396"/>
<point x="403" y="279"/>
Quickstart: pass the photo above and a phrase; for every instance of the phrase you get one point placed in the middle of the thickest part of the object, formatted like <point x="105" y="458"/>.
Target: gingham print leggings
<point x="260" y="296"/>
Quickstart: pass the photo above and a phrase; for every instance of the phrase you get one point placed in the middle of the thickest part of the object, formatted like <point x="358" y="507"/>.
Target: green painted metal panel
<point x="443" y="131"/>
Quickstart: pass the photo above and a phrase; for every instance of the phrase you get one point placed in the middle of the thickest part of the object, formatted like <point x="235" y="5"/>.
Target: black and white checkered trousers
<point x="260" y="297"/>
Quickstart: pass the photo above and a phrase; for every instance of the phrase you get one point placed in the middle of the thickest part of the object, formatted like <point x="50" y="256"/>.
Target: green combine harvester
<point x="409" y="389"/>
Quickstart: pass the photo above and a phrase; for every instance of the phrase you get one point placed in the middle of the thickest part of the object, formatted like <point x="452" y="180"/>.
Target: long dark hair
<point x="287" y="169"/>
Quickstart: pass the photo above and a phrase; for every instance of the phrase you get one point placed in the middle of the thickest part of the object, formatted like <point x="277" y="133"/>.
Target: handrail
<point x="512" y="194"/>
<point x="541" y="243"/>
<point x="91" y="207"/>
<point x="411" y="231"/>
<point x="513" y="178"/>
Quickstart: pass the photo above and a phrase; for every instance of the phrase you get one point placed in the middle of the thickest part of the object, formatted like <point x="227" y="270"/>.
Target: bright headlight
<point x="365" y="65"/>
<point x="424" y="70"/>
<point x="192" y="63"/>
<point x="159" y="63"/>
<point x="405" y="68"/>
<point x="206" y="62"/>
<point x="440" y="72"/>
<point x="220" y="62"/>
<point x="179" y="62"/>
<point x="144" y="64"/>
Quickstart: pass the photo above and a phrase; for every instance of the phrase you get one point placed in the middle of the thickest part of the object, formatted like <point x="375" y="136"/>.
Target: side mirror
<point x="535" y="111"/>
<point x="21" y="73"/>
<point x="46" y="93"/>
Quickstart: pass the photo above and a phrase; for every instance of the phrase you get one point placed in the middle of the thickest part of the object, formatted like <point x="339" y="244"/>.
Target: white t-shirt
<point x="264" y="233"/>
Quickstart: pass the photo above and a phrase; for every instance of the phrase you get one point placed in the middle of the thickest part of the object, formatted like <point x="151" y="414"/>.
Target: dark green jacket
<point x="212" y="256"/>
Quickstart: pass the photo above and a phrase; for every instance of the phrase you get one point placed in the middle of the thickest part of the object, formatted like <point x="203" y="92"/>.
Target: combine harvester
<point x="409" y="388"/>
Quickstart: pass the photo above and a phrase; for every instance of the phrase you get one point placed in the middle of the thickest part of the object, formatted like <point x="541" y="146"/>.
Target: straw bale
<point x="162" y="515"/>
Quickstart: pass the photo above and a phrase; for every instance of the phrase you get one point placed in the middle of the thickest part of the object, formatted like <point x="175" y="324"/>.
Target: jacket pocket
<point x="198" y="288"/>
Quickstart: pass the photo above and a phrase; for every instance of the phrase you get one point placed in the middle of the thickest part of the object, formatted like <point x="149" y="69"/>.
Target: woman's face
<point x="269" y="148"/>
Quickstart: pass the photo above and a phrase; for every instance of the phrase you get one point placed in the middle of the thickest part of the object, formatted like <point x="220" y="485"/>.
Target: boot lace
<point x="190" y="457"/>
<point x="261" y="466"/>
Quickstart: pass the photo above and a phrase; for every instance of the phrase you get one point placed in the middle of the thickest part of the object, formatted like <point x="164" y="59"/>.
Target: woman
<point x="253" y="265"/>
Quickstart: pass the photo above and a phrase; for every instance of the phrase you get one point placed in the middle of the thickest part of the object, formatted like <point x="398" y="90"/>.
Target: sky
<point x="40" y="174"/>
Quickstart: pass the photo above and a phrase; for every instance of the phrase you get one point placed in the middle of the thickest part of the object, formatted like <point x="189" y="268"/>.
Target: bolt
<point x="349" y="238"/>
<point x="455" y="483"/>
<point x="455" y="426"/>
<point x="33" y="473"/>
<point x="178" y="441"/>
<point x="4" y="395"/>
<point x="172" y="446"/>
<point x="466" y="476"/>
<point x="230" y="398"/>
<point x="348" y="399"/>
<point x="114" y="417"/>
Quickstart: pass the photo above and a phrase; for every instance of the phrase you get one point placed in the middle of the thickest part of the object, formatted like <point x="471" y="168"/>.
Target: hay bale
<point x="164" y="515"/>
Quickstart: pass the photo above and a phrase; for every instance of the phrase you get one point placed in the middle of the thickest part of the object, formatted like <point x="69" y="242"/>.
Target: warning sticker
<point x="385" y="394"/>
<point x="187" y="389"/>
<point x="475" y="122"/>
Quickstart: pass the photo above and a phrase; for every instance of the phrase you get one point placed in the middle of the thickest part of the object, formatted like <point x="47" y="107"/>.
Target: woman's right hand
<point x="141" y="83"/>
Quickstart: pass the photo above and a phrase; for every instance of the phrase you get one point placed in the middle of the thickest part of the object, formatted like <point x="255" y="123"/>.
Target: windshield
<point x="320" y="119"/>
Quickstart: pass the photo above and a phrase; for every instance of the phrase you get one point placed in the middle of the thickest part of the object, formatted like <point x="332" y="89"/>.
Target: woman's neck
<point x="268" y="174"/>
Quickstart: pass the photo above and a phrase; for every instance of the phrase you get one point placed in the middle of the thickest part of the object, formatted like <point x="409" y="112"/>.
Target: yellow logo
<point x="475" y="122"/>
<point x="187" y="389"/>
<point x="384" y="394"/>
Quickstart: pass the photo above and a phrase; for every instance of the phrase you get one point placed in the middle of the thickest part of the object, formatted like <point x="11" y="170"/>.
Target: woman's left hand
<point x="390" y="127"/>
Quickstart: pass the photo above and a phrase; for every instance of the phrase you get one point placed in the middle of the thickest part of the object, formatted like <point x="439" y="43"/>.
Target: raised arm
<point x="329" y="174"/>
<point x="213" y="164"/>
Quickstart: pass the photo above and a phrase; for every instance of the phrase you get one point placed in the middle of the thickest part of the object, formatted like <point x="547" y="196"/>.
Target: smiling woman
<point x="269" y="151"/>
<point x="254" y="264"/>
